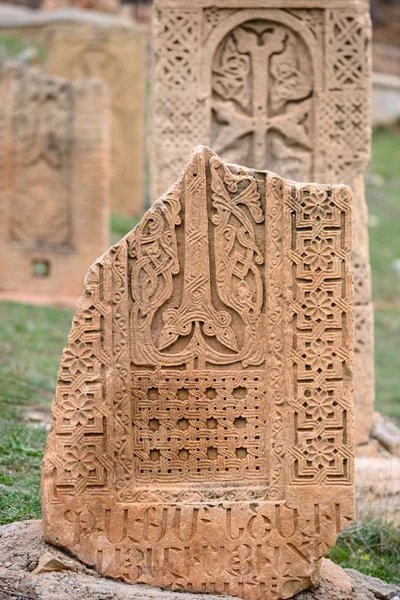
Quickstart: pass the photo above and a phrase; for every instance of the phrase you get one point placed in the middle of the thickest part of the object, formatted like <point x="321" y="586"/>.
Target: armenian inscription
<point x="202" y="424"/>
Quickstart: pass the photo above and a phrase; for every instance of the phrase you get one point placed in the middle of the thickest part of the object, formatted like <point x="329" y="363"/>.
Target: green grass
<point x="387" y="361"/>
<point x="383" y="197"/>
<point x="120" y="226"/>
<point x="21" y="452"/>
<point x="371" y="547"/>
<point x="384" y="211"/>
<point x="31" y="342"/>
<point x="21" y="50"/>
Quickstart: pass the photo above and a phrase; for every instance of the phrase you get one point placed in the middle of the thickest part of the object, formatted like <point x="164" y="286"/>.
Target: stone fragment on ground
<point x="22" y="549"/>
<point x="386" y="433"/>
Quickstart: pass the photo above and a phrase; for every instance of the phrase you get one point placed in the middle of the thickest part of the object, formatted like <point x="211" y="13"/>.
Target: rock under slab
<point x="26" y="564"/>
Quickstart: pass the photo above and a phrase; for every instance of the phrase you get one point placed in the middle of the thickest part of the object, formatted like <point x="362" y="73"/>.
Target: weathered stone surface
<point x="49" y="563"/>
<point x="277" y="87"/>
<point x="80" y="43"/>
<point x="116" y="55"/>
<point x="387" y="434"/>
<point x="54" y="173"/>
<point x="202" y="425"/>
<point x="22" y="546"/>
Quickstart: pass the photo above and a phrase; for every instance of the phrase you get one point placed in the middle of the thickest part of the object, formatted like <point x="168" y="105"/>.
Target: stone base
<point x="30" y="567"/>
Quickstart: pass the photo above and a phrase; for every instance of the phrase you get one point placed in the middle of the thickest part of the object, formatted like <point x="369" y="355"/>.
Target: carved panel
<point x="362" y="278"/>
<point x="343" y="121"/>
<point x="262" y="86"/>
<point x="115" y="54"/>
<point x="54" y="194"/>
<point x="177" y="106"/>
<point x="204" y="427"/>
<point x="282" y="88"/>
<point x="274" y="87"/>
<point x="203" y="414"/>
<point x="177" y="41"/>
<point x="321" y="336"/>
<point x="212" y="17"/>
<point x="41" y="129"/>
<point x="347" y="49"/>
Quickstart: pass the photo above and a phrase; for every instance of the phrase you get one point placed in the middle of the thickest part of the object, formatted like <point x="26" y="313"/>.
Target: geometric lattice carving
<point x="230" y="403"/>
<point x="202" y="423"/>
<point x="177" y="43"/>
<point x="177" y="68"/>
<point x="347" y="41"/>
<point x="363" y="326"/>
<point x="361" y="278"/>
<point x="343" y="126"/>
<point x="323" y="403"/>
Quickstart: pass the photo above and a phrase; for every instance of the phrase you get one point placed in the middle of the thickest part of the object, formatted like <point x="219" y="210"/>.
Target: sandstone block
<point x="80" y="43"/>
<point x="54" y="172"/>
<point x="202" y="432"/>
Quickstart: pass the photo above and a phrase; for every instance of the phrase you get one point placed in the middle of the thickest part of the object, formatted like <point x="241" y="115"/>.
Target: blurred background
<point x="111" y="40"/>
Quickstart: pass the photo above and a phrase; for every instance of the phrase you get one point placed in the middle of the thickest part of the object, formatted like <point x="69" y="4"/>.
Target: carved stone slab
<point x="54" y="190"/>
<point x="81" y="43"/>
<point x="277" y="84"/>
<point x="202" y="433"/>
<point x="116" y="54"/>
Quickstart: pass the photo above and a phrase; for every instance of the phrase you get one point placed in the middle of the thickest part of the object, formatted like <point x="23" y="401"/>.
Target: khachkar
<point x="305" y="115"/>
<point x="202" y="425"/>
<point x="115" y="51"/>
<point x="81" y="43"/>
<point x="54" y="190"/>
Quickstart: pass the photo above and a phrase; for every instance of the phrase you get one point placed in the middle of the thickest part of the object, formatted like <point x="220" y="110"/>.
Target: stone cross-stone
<point x="202" y="433"/>
<point x="116" y="53"/>
<point x="54" y="193"/>
<point x="277" y="84"/>
<point x="85" y="43"/>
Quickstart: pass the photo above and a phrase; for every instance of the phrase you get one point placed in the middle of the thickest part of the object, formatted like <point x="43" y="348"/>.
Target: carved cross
<point x="197" y="309"/>
<point x="257" y="56"/>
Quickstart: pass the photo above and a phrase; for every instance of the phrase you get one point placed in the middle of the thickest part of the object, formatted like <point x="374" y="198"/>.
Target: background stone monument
<point x="81" y="43"/>
<point x="116" y="55"/>
<point x="54" y="173"/>
<point x="280" y="85"/>
<point x="202" y="432"/>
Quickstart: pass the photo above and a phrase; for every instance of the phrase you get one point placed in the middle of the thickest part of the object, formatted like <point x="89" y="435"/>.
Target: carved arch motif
<point x="267" y="120"/>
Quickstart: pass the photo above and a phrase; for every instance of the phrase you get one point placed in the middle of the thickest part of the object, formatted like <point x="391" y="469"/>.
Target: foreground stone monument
<point x="54" y="194"/>
<point x="202" y="432"/>
<point x="84" y="43"/>
<point x="280" y="85"/>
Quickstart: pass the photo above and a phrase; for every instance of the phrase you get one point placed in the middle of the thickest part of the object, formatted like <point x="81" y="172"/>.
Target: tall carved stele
<point x="80" y="43"/>
<point x="202" y="433"/>
<point x="54" y="183"/>
<point x="277" y="84"/>
<point x="116" y="54"/>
